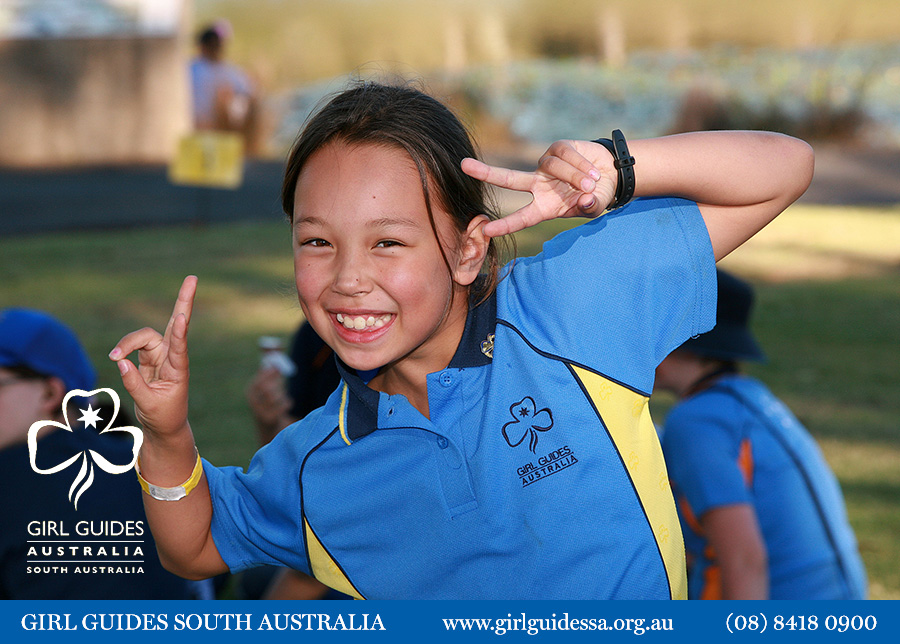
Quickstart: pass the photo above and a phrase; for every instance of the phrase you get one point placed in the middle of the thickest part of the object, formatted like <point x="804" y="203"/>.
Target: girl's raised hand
<point x="573" y="179"/>
<point x="160" y="385"/>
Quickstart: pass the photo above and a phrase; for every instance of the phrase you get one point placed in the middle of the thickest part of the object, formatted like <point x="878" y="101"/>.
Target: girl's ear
<point x="54" y="393"/>
<point x="473" y="249"/>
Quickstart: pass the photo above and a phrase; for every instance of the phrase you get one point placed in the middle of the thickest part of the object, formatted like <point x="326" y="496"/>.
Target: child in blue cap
<point x="41" y="360"/>
<point x="762" y="513"/>
<point x="490" y="436"/>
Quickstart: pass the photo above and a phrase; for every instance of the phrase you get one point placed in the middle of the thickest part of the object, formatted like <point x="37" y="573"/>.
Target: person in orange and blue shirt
<point x="762" y="514"/>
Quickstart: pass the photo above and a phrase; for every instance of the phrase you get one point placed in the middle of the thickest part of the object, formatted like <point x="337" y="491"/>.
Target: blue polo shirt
<point x="538" y="475"/>
<point x="735" y="443"/>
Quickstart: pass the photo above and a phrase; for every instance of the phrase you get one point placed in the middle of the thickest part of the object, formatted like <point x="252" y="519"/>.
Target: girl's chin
<point x="365" y="368"/>
<point x="361" y="361"/>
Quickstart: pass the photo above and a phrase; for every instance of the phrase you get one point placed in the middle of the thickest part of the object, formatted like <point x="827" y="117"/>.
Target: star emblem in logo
<point x="90" y="417"/>
<point x="88" y="457"/>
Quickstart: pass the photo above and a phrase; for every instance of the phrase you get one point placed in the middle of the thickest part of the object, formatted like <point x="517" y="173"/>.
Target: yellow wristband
<point x="171" y="493"/>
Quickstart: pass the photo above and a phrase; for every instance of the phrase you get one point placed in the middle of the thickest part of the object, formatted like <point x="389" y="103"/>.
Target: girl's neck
<point x="408" y="376"/>
<point x="393" y="381"/>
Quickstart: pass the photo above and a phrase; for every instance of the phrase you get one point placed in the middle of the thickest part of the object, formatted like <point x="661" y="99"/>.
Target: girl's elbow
<point x="185" y="568"/>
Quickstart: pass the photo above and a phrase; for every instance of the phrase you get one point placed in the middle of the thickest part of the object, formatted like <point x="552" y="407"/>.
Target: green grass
<point x="828" y="324"/>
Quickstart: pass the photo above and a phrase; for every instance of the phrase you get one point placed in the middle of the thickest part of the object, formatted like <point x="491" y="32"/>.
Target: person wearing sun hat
<point x="762" y="514"/>
<point x="41" y="360"/>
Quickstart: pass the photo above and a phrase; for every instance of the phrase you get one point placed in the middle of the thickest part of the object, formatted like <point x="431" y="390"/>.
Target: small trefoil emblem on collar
<point x="487" y="347"/>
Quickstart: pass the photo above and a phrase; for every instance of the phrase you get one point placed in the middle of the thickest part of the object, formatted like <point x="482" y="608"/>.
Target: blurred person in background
<point x="40" y="361"/>
<point x="223" y="97"/>
<point x="277" y="399"/>
<point x="762" y="514"/>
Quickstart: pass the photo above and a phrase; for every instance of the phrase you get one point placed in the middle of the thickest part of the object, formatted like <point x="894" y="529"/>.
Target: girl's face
<point x="370" y="275"/>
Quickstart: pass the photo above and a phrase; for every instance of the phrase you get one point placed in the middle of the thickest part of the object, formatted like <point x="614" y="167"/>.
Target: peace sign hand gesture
<point x="573" y="179"/>
<point x="160" y="385"/>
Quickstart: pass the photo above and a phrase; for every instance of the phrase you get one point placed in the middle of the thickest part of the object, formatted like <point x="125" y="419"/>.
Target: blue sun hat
<point x="40" y="342"/>
<point x="731" y="338"/>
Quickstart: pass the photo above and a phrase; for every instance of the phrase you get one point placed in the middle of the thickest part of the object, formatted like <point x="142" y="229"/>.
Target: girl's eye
<point x="315" y="243"/>
<point x="387" y="243"/>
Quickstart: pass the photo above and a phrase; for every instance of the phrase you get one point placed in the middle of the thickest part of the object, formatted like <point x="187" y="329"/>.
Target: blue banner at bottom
<point x="446" y="621"/>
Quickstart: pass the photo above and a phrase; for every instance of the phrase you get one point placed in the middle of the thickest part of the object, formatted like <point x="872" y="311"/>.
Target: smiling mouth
<point x="363" y="322"/>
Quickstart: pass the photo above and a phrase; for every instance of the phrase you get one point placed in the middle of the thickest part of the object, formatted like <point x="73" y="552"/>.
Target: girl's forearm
<point x="724" y="168"/>
<point x="181" y="528"/>
<point x="741" y="180"/>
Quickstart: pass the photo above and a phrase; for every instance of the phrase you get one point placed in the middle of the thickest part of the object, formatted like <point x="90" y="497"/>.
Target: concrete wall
<point x="92" y="101"/>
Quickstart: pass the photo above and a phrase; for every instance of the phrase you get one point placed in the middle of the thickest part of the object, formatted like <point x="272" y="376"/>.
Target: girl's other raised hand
<point x="159" y="385"/>
<point x="573" y="179"/>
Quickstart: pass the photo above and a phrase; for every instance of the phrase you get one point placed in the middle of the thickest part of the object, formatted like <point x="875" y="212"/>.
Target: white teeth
<point x="363" y="321"/>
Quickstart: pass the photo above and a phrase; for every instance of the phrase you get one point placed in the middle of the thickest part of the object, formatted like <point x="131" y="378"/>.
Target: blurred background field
<point x="538" y="71"/>
<point x="829" y="306"/>
<point x="523" y="72"/>
<point x="288" y="43"/>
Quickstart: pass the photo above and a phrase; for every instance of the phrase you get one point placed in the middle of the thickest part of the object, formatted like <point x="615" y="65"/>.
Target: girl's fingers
<point x="514" y="222"/>
<point x="590" y="205"/>
<point x="496" y="228"/>
<point x="145" y="339"/>
<point x="561" y="169"/>
<point x="184" y="303"/>
<point x="500" y="177"/>
<point x="133" y="381"/>
<point x="565" y="150"/>
<point x="178" y="350"/>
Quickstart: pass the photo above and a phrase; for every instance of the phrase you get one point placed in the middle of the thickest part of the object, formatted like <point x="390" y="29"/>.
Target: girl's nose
<point x="350" y="277"/>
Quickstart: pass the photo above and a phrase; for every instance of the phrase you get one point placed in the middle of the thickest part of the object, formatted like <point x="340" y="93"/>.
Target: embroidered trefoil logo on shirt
<point x="527" y="421"/>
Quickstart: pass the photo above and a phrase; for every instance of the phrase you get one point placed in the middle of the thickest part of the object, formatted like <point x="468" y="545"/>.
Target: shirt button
<point x="446" y="379"/>
<point x="442" y="442"/>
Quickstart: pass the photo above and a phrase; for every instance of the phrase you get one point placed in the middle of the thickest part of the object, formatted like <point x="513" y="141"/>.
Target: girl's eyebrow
<point x="381" y="222"/>
<point x="393" y="222"/>
<point x="308" y="221"/>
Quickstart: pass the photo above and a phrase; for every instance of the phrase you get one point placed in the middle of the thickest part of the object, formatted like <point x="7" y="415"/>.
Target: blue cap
<point x="40" y="342"/>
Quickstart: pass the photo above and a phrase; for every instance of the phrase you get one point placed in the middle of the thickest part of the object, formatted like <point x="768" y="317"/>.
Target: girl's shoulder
<point x="311" y="428"/>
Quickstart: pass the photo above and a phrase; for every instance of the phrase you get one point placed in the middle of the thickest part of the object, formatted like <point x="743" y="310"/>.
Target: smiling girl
<point x="490" y="436"/>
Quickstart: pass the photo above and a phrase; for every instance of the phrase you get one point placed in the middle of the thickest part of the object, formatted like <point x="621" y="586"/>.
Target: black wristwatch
<point x="624" y="164"/>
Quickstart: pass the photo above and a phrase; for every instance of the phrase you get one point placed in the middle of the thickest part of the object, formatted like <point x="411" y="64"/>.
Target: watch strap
<point x="624" y="165"/>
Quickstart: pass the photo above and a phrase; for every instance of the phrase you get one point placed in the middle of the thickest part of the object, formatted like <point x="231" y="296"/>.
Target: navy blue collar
<point x="474" y="350"/>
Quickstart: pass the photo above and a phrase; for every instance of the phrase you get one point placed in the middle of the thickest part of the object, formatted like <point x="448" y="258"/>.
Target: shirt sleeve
<point x="620" y="292"/>
<point x="257" y="515"/>
<point x="702" y="443"/>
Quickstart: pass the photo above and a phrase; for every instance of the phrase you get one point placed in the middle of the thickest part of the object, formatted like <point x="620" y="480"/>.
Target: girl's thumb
<point x="131" y="378"/>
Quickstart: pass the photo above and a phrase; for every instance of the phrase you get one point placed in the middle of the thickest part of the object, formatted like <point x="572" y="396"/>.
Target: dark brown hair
<point x="407" y="118"/>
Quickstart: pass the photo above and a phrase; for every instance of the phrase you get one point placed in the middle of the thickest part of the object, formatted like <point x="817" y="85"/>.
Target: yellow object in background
<point x="210" y="158"/>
